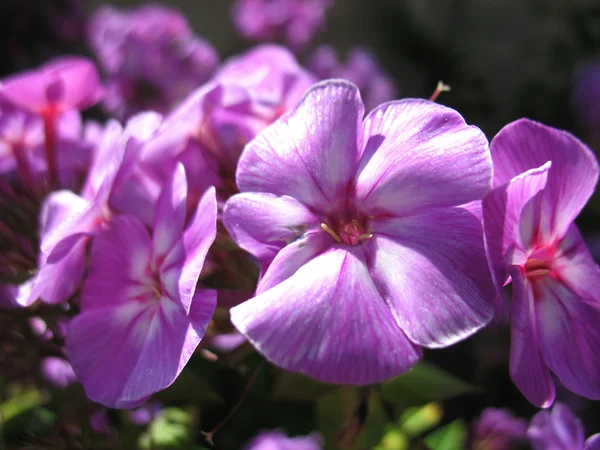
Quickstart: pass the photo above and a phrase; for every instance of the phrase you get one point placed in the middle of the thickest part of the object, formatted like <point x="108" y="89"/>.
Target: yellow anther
<point x="332" y="233"/>
<point x="362" y="237"/>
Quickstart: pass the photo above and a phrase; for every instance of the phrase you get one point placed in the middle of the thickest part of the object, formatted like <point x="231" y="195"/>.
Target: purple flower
<point x="346" y="218"/>
<point x="69" y="221"/>
<point x="141" y="316"/>
<point x="586" y="95"/>
<point x="361" y="68"/>
<point x="497" y="429"/>
<point x="559" y="429"/>
<point x="151" y="57"/>
<point x="62" y="85"/>
<point x="543" y="177"/>
<point x="294" y="21"/>
<point x="22" y="150"/>
<point x="57" y="371"/>
<point x="209" y="130"/>
<point x="276" y="440"/>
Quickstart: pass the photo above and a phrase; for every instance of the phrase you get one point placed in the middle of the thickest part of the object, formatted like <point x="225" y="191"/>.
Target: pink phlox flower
<point x="151" y="57"/>
<point x="361" y="68"/>
<point x="559" y="429"/>
<point x="543" y="177"/>
<point x="22" y="146"/>
<point x="294" y="21"/>
<point x="141" y="316"/>
<point x="498" y="429"/>
<point x="276" y="440"/>
<point x="209" y="130"/>
<point x="68" y="221"/>
<point x="370" y="245"/>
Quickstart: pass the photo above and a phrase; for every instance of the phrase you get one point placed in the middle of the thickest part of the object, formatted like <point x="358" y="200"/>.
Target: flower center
<point x="539" y="262"/>
<point x="352" y="232"/>
<point x="536" y="268"/>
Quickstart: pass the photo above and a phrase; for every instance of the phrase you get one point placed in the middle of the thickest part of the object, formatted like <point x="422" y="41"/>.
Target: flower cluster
<point x="358" y="229"/>
<point x="151" y="57"/>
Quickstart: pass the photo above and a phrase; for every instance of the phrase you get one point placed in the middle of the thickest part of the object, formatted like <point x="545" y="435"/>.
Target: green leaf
<point x="19" y="403"/>
<point x="393" y="439"/>
<point x="450" y="437"/>
<point x="417" y="420"/>
<point x="170" y="429"/>
<point x="423" y="384"/>
<point x="299" y="388"/>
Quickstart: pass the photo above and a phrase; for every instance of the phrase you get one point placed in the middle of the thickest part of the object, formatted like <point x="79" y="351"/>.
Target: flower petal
<point x="263" y="224"/>
<point x="569" y="336"/>
<point x="558" y="429"/>
<point x="409" y="147"/>
<point x="311" y="153"/>
<point x="170" y="213"/>
<point x="576" y="266"/>
<point x="435" y="279"/>
<point x="509" y="219"/>
<point x="524" y="145"/>
<point x="527" y="367"/>
<point x="124" y="354"/>
<point x="292" y="257"/>
<point x="57" y="207"/>
<point x="328" y="321"/>
<point x="62" y="272"/>
<point x="197" y="239"/>
<point x="592" y="443"/>
<point x="120" y="261"/>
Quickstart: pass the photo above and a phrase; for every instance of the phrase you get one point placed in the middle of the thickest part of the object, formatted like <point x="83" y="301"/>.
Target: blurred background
<point x="503" y="59"/>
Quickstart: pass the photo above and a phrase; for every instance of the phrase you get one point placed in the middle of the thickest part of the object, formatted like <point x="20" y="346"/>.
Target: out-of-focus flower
<point x="145" y="413"/>
<point x="543" y="178"/>
<point x="57" y="371"/>
<point x="276" y="440"/>
<point x="151" y="57"/>
<point x="141" y="317"/>
<point x="60" y="86"/>
<point x="293" y="21"/>
<point x="361" y="68"/>
<point x="559" y="429"/>
<point x="344" y="216"/>
<point x="498" y="429"/>
<point x="22" y="150"/>
<point x="209" y="130"/>
<point x="586" y="96"/>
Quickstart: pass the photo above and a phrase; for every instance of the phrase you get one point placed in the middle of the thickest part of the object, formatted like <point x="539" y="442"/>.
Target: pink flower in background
<point x="141" y="316"/>
<point x="293" y="21"/>
<point x="209" y="130"/>
<point x="543" y="178"/>
<point x="22" y="150"/>
<point x="498" y="429"/>
<point x="559" y="429"/>
<point x="61" y="85"/>
<point x="276" y="440"/>
<point x="361" y="68"/>
<point x="151" y="57"/>
<point x="344" y="216"/>
<point x="57" y="371"/>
